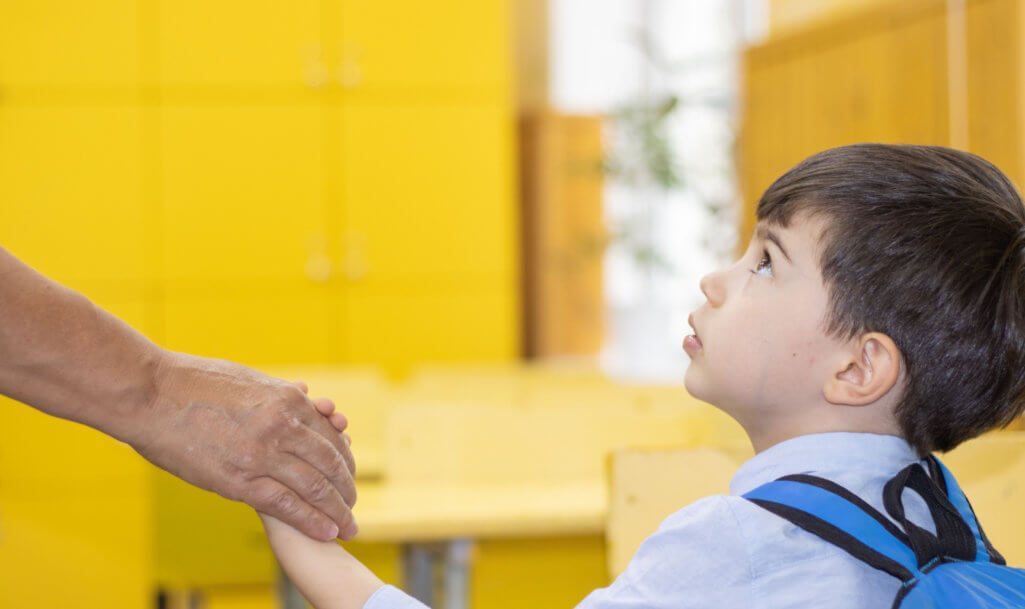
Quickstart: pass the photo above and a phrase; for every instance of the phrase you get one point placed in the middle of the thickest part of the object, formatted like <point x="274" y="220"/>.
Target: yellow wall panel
<point x="88" y="549"/>
<point x="275" y="323"/>
<point x="39" y="451"/>
<point x="202" y="539"/>
<point x="72" y="203"/>
<point x="399" y="323"/>
<point x="242" y="191"/>
<point x="56" y="43"/>
<point x="427" y="189"/>
<point x="236" y="43"/>
<point x="431" y="45"/>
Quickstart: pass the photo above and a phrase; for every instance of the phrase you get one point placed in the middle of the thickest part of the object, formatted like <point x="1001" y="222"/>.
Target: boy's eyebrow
<point x="764" y="233"/>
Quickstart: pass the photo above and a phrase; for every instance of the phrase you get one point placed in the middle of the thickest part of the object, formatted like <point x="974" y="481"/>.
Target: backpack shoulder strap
<point x="833" y="513"/>
<point x="984" y="549"/>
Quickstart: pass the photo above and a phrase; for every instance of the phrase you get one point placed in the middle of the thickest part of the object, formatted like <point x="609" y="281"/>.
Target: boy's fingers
<point x="324" y="406"/>
<point x="339" y="421"/>
<point x="302" y="385"/>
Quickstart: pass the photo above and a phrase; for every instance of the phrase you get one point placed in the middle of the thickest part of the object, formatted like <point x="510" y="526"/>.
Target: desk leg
<point x="457" y="573"/>
<point x="418" y="567"/>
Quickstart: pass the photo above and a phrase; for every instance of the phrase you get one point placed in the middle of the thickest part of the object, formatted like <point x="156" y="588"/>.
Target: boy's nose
<point x="711" y="287"/>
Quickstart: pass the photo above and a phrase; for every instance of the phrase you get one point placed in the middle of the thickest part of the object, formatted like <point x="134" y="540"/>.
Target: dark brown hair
<point x="925" y="244"/>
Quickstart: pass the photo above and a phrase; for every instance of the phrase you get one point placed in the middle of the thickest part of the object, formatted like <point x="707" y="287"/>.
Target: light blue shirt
<point x="724" y="551"/>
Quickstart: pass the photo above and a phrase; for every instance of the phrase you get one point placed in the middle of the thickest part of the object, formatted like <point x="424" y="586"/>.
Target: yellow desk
<point x="439" y="528"/>
<point x="394" y="513"/>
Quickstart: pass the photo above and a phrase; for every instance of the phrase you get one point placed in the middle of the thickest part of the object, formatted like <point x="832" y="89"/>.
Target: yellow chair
<point x="647" y="485"/>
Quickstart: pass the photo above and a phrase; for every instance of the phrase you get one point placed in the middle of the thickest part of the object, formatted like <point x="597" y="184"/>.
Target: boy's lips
<point x="691" y="341"/>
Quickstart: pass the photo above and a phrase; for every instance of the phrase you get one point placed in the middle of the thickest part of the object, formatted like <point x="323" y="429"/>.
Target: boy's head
<point x="901" y="308"/>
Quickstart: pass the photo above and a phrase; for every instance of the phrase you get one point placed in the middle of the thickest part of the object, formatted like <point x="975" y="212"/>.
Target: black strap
<point x="936" y="473"/>
<point x="842" y="491"/>
<point x="953" y="539"/>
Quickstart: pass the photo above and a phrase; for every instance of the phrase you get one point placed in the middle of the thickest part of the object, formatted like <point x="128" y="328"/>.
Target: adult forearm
<point x="62" y="354"/>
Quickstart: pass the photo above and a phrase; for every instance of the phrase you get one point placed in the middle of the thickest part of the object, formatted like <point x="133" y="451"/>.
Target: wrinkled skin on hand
<point x="253" y="438"/>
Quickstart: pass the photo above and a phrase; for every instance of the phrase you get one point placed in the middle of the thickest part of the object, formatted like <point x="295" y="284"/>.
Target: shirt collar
<point x="824" y="452"/>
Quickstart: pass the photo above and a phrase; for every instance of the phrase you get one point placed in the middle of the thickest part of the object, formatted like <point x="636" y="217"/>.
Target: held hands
<point x="253" y="438"/>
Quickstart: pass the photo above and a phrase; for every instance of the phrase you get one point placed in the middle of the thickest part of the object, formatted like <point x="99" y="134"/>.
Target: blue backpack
<point x="957" y="567"/>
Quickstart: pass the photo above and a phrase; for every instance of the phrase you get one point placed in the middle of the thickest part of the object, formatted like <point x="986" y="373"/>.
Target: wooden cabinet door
<point x="239" y="44"/>
<point x="56" y="43"/>
<point x="410" y="44"/>
<point x="426" y="189"/>
<point x="72" y="203"/>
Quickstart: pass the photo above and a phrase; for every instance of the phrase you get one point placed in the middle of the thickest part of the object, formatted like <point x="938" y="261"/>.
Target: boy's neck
<point x="765" y="437"/>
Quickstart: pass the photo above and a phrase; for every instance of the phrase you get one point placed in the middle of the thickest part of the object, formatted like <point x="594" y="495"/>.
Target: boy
<point x="876" y="316"/>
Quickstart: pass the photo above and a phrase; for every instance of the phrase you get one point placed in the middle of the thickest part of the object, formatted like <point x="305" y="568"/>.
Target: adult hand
<point x="253" y="438"/>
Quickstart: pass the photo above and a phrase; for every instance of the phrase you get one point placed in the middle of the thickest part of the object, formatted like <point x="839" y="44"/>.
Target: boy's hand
<point x="326" y="407"/>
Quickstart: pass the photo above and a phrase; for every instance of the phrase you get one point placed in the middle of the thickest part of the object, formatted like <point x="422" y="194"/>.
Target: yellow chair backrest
<point x="646" y="486"/>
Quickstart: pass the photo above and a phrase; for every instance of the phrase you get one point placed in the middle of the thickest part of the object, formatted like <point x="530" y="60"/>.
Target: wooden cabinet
<point x="883" y="74"/>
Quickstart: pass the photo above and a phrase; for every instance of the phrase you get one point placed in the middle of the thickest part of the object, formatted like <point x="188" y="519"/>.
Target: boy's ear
<point x="870" y="371"/>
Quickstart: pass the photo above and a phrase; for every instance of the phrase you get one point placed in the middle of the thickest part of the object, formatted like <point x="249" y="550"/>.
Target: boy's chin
<point x="694" y="383"/>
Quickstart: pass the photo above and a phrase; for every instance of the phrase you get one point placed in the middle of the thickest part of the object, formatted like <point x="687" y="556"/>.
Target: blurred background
<point x="455" y="218"/>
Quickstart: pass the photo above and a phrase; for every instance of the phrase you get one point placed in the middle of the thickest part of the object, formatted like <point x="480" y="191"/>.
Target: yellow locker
<point x="202" y="539"/>
<point x="426" y="189"/>
<point x="398" y="323"/>
<point x="88" y="548"/>
<point x="279" y="322"/>
<point x="226" y="45"/>
<point x="52" y="43"/>
<point x="71" y="185"/>
<point x="410" y="44"/>
<point x="242" y="192"/>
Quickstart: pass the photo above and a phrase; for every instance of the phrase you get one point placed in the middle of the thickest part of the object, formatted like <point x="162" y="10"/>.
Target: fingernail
<point x="333" y="531"/>
<point x="351" y="531"/>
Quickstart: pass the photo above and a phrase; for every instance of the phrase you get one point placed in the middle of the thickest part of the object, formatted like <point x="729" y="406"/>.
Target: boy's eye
<point x="765" y="262"/>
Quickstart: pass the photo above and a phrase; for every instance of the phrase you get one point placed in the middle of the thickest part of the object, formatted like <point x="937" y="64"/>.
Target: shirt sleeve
<point x="696" y="558"/>
<point x="390" y="597"/>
